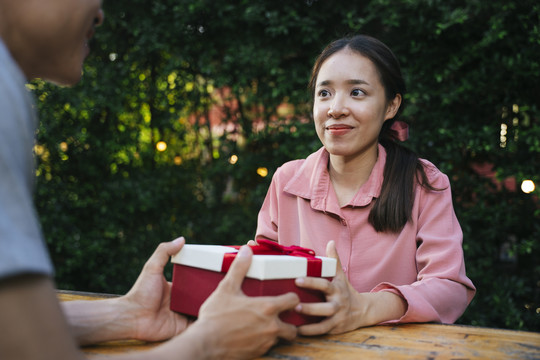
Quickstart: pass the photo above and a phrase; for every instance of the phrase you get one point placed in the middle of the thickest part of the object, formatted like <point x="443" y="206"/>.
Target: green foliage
<point x="161" y="71"/>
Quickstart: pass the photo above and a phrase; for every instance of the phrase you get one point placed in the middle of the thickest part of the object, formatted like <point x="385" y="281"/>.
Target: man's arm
<point x="230" y="324"/>
<point x="32" y="323"/>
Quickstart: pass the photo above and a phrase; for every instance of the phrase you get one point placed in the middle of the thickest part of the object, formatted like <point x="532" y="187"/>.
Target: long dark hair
<point x="403" y="168"/>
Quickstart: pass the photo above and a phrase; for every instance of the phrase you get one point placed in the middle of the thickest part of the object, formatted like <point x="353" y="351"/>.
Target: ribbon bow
<point x="268" y="247"/>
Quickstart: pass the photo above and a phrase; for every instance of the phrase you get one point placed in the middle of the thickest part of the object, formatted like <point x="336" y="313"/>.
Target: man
<point x="49" y="39"/>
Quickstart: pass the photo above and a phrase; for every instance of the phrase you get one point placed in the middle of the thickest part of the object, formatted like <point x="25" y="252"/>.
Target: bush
<point x="161" y="71"/>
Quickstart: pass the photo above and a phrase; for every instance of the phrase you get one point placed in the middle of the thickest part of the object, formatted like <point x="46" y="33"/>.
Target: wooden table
<point x="410" y="341"/>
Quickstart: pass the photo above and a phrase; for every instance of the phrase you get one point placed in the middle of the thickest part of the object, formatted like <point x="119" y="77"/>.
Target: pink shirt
<point x="423" y="263"/>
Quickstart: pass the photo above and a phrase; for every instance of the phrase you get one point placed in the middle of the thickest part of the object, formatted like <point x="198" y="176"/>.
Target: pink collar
<point x="312" y="181"/>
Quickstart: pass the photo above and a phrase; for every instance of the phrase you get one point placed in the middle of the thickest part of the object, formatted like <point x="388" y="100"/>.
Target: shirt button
<point x="343" y="222"/>
<point x="344" y="269"/>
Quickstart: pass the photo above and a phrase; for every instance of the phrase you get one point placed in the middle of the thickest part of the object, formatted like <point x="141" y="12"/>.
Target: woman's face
<point x="350" y="106"/>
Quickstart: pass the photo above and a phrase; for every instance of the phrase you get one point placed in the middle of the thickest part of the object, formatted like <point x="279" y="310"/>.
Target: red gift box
<point x="198" y="269"/>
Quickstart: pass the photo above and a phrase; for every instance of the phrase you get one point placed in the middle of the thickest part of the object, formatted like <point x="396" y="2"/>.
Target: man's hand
<point x="143" y="313"/>
<point x="149" y="298"/>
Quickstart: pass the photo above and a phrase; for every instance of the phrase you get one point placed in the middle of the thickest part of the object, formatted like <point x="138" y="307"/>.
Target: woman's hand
<point x="345" y="308"/>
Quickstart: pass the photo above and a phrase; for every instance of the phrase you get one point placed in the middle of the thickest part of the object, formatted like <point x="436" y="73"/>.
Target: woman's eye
<point x="324" y="93"/>
<point x="357" y="92"/>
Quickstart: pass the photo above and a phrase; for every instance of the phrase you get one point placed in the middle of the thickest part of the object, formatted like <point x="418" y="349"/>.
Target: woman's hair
<point x="403" y="168"/>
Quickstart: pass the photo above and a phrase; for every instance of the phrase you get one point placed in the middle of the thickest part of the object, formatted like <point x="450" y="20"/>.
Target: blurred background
<point x="187" y="108"/>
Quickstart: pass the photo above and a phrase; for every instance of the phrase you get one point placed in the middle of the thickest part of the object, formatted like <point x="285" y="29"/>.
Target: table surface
<point x="408" y="341"/>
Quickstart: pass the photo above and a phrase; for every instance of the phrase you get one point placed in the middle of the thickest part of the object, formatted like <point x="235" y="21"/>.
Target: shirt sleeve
<point x="267" y="220"/>
<point x="442" y="290"/>
<point x="22" y="247"/>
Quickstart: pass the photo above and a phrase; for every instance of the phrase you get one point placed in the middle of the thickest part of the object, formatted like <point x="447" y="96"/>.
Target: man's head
<point x="49" y="38"/>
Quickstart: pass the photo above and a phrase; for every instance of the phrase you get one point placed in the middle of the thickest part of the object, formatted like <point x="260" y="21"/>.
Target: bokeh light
<point x="161" y="146"/>
<point x="262" y="171"/>
<point x="233" y="159"/>
<point x="527" y="186"/>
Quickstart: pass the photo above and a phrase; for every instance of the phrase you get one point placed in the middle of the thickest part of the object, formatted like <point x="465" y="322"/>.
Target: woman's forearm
<point x="384" y="306"/>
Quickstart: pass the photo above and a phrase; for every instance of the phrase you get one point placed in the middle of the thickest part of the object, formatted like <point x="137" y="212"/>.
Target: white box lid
<point x="263" y="267"/>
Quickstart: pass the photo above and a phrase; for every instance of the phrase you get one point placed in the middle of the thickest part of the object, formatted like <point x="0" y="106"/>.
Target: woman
<point x="368" y="201"/>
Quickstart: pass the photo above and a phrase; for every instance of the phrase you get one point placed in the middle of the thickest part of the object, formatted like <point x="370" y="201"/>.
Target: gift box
<point x="198" y="269"/>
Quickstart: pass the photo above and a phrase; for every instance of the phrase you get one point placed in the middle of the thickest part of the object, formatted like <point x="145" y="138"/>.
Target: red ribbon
<point x="268" y="247"/>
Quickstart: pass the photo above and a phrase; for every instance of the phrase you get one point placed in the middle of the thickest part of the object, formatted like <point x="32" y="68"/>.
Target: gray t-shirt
<point x="22" y="247"/>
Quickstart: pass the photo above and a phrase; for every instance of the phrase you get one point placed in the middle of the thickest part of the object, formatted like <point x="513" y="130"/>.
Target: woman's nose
<point x="338" y="109"/>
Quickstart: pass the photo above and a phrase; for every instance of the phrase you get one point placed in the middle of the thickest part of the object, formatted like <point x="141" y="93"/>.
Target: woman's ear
<point x="393" y="107"/>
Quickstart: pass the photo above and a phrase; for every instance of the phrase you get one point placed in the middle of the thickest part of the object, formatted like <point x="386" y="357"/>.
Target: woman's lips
<point x="338" y="129"/>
